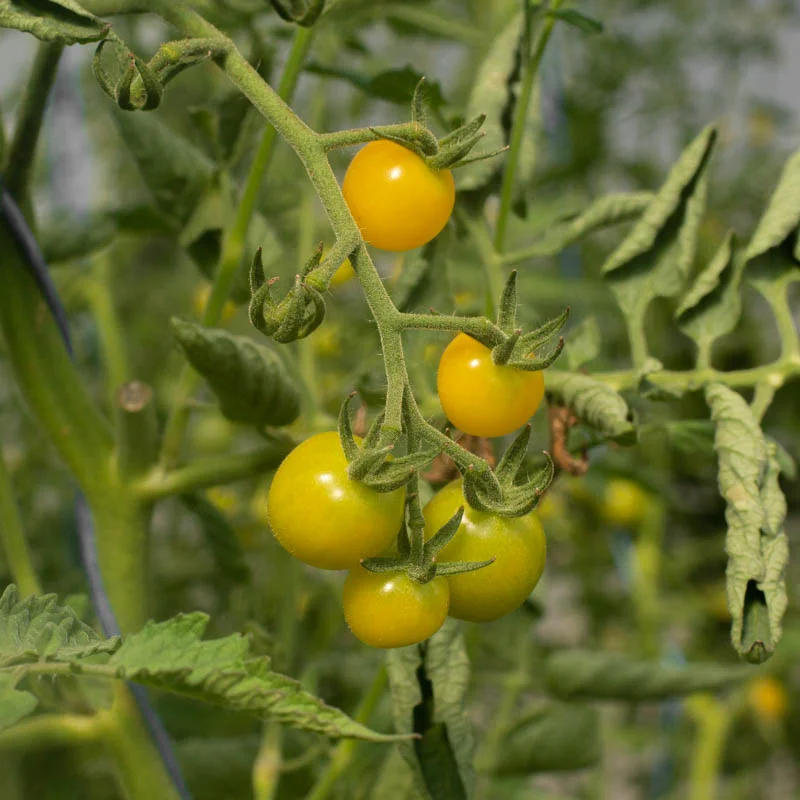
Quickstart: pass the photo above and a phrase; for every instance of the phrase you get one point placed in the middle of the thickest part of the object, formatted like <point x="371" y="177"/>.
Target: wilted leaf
<point x="594" y="403"/>
<point x="593" y="675"/>
<point x="756" y="543"/>
<point x="248" y="379"/>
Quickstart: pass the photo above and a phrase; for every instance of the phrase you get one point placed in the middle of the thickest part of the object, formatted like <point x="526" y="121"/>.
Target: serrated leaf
<point x="248" y="379"/>
<point x="175" y="171"/>
<point x="782" y="215"/>
<point x="550" y="737"/>
<point x="582" y="344"/>
<point x="491" y="95"/>
<point x="592" y="675"/>
<point x="582" y="22"/>
<point x="655" y="258"/>
<point x="220" y="537"/>
<point x="756" y="542"/>
<point x="611" y="209"/>
<point x="37" y="635"/>
<point x="53" y="21"/>
<point x="38" y="629"/>
<point x="712" y="306"/>
<point x="594" y="403"/>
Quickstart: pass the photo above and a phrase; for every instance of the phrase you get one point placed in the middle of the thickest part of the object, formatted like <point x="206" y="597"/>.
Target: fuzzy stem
<point x="12" y="538"/>
<point x="520" y="121"/>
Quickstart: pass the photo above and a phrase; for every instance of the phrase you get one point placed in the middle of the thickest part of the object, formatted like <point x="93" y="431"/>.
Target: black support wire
<point x="37" y="266"/>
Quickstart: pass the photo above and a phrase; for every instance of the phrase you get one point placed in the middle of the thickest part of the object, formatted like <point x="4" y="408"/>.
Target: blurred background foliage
<point x="636" y="558"/>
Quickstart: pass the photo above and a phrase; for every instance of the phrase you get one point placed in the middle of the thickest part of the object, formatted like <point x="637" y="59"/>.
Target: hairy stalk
<point x="531" y="69"/>
<point x="12" y="537"/>
<point x="235" y="238"/>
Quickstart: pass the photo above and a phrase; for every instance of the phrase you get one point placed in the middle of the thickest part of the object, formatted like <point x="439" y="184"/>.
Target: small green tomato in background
<point x="517" y="543"/>
<point x="625" y="504"/>
<point x="480" y="397"/>
<point x="389" y="609"/>
<point x="396" y="199"/>
<point x="321" y="516"/>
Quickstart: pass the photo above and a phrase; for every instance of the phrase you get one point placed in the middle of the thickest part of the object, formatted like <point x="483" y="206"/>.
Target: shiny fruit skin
<point x="517" y="543"/>
<point x="481" y="398"/>
<point x="389" y="609"/>
<point x="321" y="516"/>
<point x="397" y="200"/>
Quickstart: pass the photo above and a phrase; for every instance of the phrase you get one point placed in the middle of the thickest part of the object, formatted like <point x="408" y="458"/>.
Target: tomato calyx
<point x="520" y="350"/>
<point x="370" y="462"/>
<point x="449" y="152"/>
<point x="294" y="317"/>
<point x="501" y="492"/>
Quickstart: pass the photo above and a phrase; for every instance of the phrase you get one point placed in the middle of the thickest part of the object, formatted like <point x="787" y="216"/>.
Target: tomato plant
<point x="392" y="610"/>
<point x="245" y="509"/>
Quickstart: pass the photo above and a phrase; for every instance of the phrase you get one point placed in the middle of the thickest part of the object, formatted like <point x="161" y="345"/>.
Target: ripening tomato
<point x="344" y="274"/>
<point x="200" y="301"/>
<point x="396" y="199"/>
<point x="390" y="609"/>
<point x="517" y="544"/>
<point x="481" y="398"/>
<point x="321" y="516"/>
<point x="768" y="698"/>
<point x="625" y="503"/>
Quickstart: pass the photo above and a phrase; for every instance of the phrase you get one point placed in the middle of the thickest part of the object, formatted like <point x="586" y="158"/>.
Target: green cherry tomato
<point x="389" y="609"/>
<point x="625" y="503"/>
<point x="321" y="516"/>
<point x="481" y="398"/>
<point x="396" y="199"/>
<point x="517" y="544"/>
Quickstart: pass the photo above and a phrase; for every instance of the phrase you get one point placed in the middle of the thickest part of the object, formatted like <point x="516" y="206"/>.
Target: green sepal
<point x="444" y="535"/>
<point x="507" y="315"/>
<point x="464" y="132"/>
<point x="508" y="467"/>
<point x="346" y="438"/>
<point x="299" y="314"/>
<point x="420" y="140"/>
<point x="501" y="354"/>
<point x="542" y="362"/>
<point x="367" y="461"/>
<point x="419" y="113"/>
<point x="544" y="333"/>
<point x="480" y="157"/>
<point x="299" y="14"/>
<point x="384" y="564"/>
<point x="146" y="94"/>
<point x="458" y="567"/>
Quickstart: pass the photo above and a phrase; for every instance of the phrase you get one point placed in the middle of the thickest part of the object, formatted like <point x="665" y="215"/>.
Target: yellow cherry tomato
<point x="342" y="275"/>
<point x="768" y="698"/>
<point x="516" y="543"/>
<point x="200" y="301"/>
<point x="625" y="503"/>
<point x="391" y="610"/>
<point x="321" y="516"/>
<point x="396" y="199"/>
<point x="481" y="398"/>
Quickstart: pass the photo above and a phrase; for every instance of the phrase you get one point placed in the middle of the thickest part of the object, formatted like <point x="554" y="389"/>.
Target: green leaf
<point x="414" y="283"/>
<point x="655" y="258"/>
<point x="428" y="685"/>
<point x="491" y="95"/>
<point x="221" y="539"/>
<point x="37" y="636"/>
<point x="582" y="22"/>
<point x="712" y="306"/>
<point x="693" y="437"/>
<point x="14" y="704"/>
<point x="550" y="737"/>
<point x="611" y="209"/>
<point x="582" y="344"/>
<point x="248" y="378"/>
<point x="175" y="171"/>
<point x="391" y="85"/>
<point x="756" y="542"/>
<point x="38" y="629"/>
<point x="786" y="461"/>
<point x="594" y="403"/>
<point x="592" y="675"/>
<point x="53" y="20"/>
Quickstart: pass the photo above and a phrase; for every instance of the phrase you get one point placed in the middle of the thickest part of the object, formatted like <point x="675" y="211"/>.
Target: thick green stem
<point x="50" y="730"/>
<point x="19" y="166"/>
<point x="267" y="766"/>
<point x="532" y="63"/>
<point x="713" y="720"/>
<point x="235" y="238"/>
<point x="12" y="538"/>
<point x="345" y="751"/>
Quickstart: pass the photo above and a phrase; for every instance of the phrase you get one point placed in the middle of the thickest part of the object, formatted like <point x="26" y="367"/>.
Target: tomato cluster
<point x="330" y="521"/>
